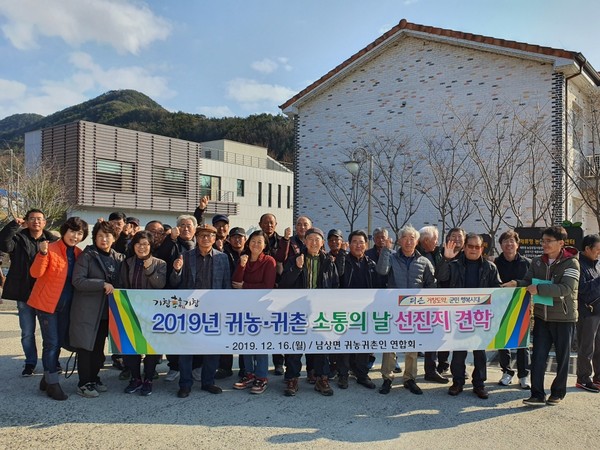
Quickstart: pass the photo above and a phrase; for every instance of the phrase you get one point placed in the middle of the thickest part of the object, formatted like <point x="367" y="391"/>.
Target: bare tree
<point x="350" y="196"/>
<point x="398" y="187"/>
<point x="43" y="187"/>
<point x="448" y="181"/>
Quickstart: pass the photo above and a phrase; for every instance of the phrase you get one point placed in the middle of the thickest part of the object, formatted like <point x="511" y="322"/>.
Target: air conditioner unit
<point x="591" y="166"/>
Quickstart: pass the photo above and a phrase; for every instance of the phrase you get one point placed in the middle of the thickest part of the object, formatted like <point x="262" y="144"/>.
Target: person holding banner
<point x="512" y="266"/>
<point x="142" y="271"/>
<point x="554" y="275"/>
<point x="311" y="269"/>
<point x="356" y="271"/>
<point x="255" y="270"/>
<point x="52" y="295"/>
<point x="202" y="267"/>
<point x="469" y="270"/>
<point x="95" y="276"/>
<point x="405" y="269"/>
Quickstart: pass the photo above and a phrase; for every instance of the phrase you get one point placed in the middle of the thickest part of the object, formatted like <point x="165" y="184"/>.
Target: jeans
<point x="210" y="363"/>
<point x="256" y="364"/>
<point x="544" y="335"/>
<point x="27" y="318"/>
<point x="588" y="355"/>
<point x="522" y="362"/>
<point x="458" y="367"/>
<point x="54" y="328"/>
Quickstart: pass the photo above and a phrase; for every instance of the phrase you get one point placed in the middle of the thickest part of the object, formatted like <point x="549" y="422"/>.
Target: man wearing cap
<point x="233" y="248"/>
<point x="203" y="267"/>
<point x="221" y="223"/>
<point x="311" y="269"/>
<point x="335" y="241"/>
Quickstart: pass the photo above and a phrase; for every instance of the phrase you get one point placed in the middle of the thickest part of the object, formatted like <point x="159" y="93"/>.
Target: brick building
<point x="417" y="85"/>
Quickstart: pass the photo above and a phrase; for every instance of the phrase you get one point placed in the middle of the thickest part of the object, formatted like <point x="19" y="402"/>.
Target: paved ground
<point x="349" y="419"/>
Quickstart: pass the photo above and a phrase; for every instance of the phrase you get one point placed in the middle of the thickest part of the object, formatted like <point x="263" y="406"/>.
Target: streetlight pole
<point x="353" y="167"/>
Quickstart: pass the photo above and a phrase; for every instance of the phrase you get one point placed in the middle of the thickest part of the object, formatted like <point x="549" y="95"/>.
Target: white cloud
<point x="216" y="111"/>
<point x="87" y="80"/>
<point x="265" y="66"/>
<point x="11" y="90"/>
<point x="125" y="25"/>
<point x="268" y="65"/>
<point x="251" y="93"/>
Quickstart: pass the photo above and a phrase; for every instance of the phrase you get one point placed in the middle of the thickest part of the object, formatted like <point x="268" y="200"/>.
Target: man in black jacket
<point x="311" y="269"/>
<point x="20" y="239"/>
<point x="469" y="270"/>
<point x="588" y="324"/>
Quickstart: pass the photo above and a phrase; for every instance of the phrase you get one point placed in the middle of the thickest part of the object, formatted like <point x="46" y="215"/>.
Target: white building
<point x="155" y="177"/>
<point x="416" y="82"/>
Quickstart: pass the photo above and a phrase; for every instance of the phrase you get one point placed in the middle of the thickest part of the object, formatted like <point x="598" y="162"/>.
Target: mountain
<point x="134" y="110"/>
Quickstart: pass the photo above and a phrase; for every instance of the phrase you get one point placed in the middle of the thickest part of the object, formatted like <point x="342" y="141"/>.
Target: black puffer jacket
<point x="451" y="274"/>
<point x="22" y="249"/>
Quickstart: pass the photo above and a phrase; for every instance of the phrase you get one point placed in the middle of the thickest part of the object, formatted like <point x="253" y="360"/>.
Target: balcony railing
<point x="241" y="159"/>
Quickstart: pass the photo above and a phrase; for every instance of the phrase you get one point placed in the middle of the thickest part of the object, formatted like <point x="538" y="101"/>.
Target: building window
<point x="115" y="176"/>
<point x="289" y="197"/>
<point x="269" y="198"/>
<point x="279" y="196"/>
<point x="240" y="188"/>
<point x="210" y="186"/>
<point x="168" y="182"/>
<point x="259" y="193"/>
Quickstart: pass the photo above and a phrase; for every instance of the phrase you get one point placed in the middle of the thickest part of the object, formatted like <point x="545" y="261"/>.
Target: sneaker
<point x="481" y="392"/>
<point x="259" y="386"/>
<point x="386" y="387"/>
<point x="87" y="390"/>
<point x="455" y="389"/>
<point x="125" y="375"/>
<point x="343" y="382"/>
<point x="245" y="382"/>
<point x="534" y="401"/>
<point x="291" y="387"/>
<point x="100" y="386"/>
<point x="589" y="386"/>
<point x="172" y="375"/>
<point x="506" y="379"/>
<point x="278" y="370"/>
<point x="322" y="386"/>
<point x="524" y="383"/>
<point x="133" y="386"/>
<point x="28" y="370"/>
<point x="146" y="388"/>
<point x="197" y="374"/>
<point x="411" y="385"/>
<point x="553" y="400"/>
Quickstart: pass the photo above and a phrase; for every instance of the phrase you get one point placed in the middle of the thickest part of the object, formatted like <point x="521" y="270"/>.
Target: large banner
<point x="317" y="321"/>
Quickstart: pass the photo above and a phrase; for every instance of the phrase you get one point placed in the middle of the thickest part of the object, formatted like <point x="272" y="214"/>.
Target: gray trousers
<point x="588" y="355"/>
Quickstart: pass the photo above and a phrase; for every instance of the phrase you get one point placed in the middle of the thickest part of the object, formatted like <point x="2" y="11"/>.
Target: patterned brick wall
<point x="412" y="89"/>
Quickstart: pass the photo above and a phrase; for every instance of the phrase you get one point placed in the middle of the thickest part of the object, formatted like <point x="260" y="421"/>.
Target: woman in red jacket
<point x="255" y="270"/>
<point x="51" y="297"/>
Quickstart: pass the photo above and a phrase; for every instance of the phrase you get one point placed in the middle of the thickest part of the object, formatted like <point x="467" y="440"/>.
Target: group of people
<point x="66" y="289"/>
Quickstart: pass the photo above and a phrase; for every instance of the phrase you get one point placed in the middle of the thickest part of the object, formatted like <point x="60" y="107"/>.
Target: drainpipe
<point x="566" y="144"/>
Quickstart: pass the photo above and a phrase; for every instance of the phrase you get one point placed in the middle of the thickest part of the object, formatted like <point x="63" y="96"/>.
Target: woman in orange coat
<point x="51" y="297"/>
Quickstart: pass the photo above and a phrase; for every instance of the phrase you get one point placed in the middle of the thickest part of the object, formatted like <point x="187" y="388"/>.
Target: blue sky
<point x="235" y="57"/>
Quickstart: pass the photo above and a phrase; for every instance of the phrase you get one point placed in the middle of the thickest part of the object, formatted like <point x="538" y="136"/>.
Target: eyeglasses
<point x="474" y="247"/>
<point x="36" y="219"/>
<point x="548" y="241"/>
